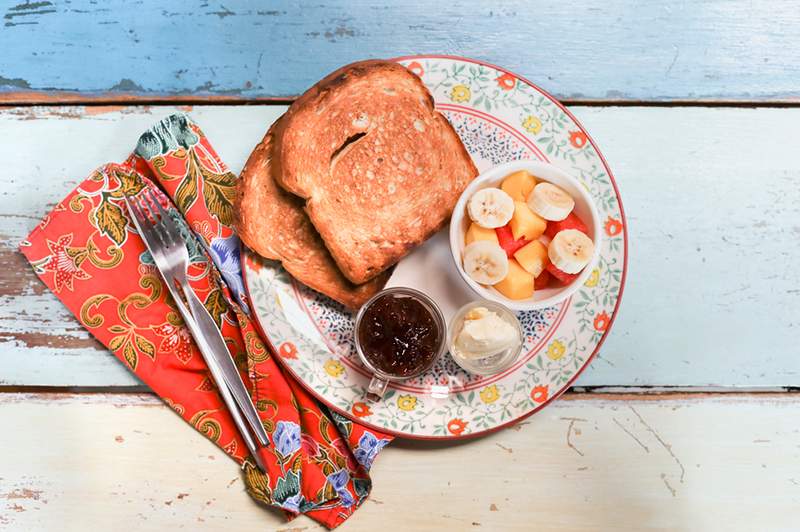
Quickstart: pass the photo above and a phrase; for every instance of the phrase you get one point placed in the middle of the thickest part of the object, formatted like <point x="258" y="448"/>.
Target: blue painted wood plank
<point x="590" y="50"/>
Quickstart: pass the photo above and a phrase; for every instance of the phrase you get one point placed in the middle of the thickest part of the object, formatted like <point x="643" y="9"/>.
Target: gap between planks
<point x="11" y="100"/>
<point x="616" y="393"/>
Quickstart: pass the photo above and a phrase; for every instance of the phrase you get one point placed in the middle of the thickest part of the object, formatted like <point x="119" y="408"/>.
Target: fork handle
<point x="230" y="373"/>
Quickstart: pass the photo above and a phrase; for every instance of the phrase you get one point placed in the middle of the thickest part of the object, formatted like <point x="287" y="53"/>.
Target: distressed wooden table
<point x="686" y="420"/>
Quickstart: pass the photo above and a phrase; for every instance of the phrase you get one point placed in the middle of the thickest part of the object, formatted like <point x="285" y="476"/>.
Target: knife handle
<point x="230" y="373"/>
<point x="216" y="374"/>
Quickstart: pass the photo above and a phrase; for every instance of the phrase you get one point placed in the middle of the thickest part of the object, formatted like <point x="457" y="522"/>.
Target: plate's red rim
<point x="550" y="399"/>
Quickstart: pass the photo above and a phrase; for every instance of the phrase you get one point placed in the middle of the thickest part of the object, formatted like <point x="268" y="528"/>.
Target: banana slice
<point x="570" y="250"/>
<point x="490" y="208"/>
<point x="550" y="202"/>
<point x="485" y="262"/>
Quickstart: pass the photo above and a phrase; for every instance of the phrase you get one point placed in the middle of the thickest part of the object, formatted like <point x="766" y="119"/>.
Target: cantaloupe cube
<point x="518" y="185"/>
<point x="476" y="232"/>
<point x="518" y="284"/>
<point x="525" y="223"/>
<point x="533" y="257"/>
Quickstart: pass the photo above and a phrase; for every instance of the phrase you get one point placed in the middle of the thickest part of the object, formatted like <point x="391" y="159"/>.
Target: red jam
<point x="399" y="335"/>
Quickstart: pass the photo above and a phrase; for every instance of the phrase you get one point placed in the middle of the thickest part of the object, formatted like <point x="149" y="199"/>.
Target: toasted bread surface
<point x="272" y="223"/>
<point x="379" y="169"/>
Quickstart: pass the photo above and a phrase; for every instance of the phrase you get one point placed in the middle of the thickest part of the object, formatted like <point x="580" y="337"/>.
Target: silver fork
<point x="163" y="239"/>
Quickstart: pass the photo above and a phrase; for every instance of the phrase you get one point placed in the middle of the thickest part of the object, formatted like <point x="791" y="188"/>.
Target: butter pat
<point x="484" y="334"/>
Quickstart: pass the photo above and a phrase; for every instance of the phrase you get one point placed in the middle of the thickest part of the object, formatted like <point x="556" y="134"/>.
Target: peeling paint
<point x="28" y="6"/>
<point x="23" y="493"/>
<point x="95" y="110"/>
<point x="27" y="9"/>
<point x="17" y="83"/>
<point x="126" y="85"/>
<point x="222" y="13"/>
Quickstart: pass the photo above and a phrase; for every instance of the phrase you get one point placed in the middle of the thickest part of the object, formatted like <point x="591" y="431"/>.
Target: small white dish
<point x="495" y="363"/>
<point x="584" y="209"/>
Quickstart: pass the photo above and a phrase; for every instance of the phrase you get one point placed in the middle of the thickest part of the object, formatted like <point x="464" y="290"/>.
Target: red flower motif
<point x="308" y="445"/>
<point x="287" y="350"/>
<point x="601" y="322"/>
<point x="506" y="81"/>
<point x="539" y="394"/>
<point x="174" y="340"/>
<point x="65" y="263"/>
<point x="456" y="426"/>
<point x="613" y="227"/>
<point x="361" y="409"/>
<point x="577" y="139"/>
<point x="416" y="68"/>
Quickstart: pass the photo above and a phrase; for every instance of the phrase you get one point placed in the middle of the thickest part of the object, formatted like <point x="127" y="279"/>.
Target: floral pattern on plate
<point x="500" y="118"/>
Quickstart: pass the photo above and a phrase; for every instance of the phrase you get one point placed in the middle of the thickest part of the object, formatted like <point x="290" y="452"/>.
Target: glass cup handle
<point x="376" y="388"/>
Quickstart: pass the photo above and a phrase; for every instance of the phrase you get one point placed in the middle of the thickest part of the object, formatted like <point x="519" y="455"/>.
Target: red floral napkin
<point x="90" y="255"/>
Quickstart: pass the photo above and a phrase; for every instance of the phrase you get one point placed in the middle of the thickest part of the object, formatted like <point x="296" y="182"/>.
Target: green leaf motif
<point x="108" y="218"/>
<point x="216" y="306"/>
<point x="257" y="483"/>
<point x="286" y="487"/>
<point x="219" y="191"/>
<point x="186" y="194"/>
<point x="130" y="184"/>
<point x="145" y="346"/>
<point x="116" y="342"/>
<point x="129" y="353"/>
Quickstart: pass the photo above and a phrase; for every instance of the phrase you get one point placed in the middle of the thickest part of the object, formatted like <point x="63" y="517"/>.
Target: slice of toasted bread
<point x="272" y="223"/>
<point x="379" y="168"/>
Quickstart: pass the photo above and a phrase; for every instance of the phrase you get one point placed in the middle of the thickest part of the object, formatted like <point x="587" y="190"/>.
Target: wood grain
<point x="604" y="50"/>
<point x="716" y="463"/>
<point x="41" y="343"/>
<point x="711" y="195"/>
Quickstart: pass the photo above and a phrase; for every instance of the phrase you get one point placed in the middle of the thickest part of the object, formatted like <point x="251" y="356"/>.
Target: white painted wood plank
<point x="52" y="151"/>
<point x="688" y="463"/>
<point x="712" y="197"/>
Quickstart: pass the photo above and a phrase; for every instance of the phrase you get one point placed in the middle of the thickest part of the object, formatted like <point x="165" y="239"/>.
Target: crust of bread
<point x="379" y="169"/>
<point x="272" y="223"/>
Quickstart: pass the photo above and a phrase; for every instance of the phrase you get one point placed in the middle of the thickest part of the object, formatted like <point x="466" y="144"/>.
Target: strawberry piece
<point x="562" y="277"/>
<point x="542" y="281"/>
<point x="570" y="222"/>
<point x="506" y="238"/>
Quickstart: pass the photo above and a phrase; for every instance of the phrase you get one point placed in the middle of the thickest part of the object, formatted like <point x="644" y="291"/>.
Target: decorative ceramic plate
<point x="500" y="117"/>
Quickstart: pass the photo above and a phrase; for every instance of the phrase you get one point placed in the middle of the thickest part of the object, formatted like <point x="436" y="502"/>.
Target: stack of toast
<point x="358" y="172"/>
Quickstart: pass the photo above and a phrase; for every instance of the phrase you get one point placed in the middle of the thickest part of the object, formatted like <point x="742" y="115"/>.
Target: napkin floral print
<point x="88" y="253"/>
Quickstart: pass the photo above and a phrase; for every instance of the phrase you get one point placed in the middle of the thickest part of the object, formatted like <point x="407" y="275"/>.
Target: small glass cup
<point x="381" y="379"/>
<point x="494" y="363"/>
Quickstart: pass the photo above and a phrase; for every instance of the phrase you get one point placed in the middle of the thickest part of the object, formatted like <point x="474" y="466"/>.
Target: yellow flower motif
<point x="593" y="278"/>
<point x="489" y="394"/>
<point x="333" y="368"/>
<point x="407" y="402"/>
<point x="532" y="124"/>
<point x="460" y="93"/>
<point x="555" y="350"/>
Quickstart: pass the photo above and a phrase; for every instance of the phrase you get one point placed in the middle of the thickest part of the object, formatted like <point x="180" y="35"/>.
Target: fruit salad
<point x="524" y="236"/>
